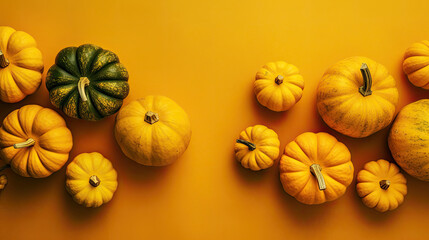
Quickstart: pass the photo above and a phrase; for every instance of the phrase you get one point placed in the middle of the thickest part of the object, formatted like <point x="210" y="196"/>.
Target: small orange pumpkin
<point x="416" y="64"/>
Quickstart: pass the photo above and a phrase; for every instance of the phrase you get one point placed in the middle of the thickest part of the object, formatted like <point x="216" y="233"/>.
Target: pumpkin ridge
<point x="103" y="92"/>
<point x="67" y="97"/>
<point x="305" y="185"/>
<point x="101" y="69"/>
<point x="16" y="77"/>
<point x="39" y="161"/>
<point x="91" y="64"/>
<point x="32" y="120"/>
<point x="95" y="106"/>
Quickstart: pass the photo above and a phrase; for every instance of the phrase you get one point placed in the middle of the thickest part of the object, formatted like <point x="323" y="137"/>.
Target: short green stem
<point x="30" y="142"/>
<point x="316" y="170"/>
<point x="365" y="90"/>
<point x="250" y="145"/>
<point x="83" y="82"/>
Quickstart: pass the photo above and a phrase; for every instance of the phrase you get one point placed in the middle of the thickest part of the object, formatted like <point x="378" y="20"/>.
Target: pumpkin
<point x="91" y="179"/>
<point x="257" y="148"/>
<point x="87" y="82"/>
<point x="153" y="131"/>
<point x="416" y="62"/>
<point x="278" y="86"/>
<point x="409" y="139"/>
<point x="357" y="97"/>
<point x="381" y="186"/>
<point x="316" y="168"/>
<point x="21" y="65"/>
<point x="35" y="141"/>
<point x="3" y="181"/>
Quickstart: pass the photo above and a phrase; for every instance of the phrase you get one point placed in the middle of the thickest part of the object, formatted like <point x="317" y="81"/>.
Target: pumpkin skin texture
<point x="409" y="139"/>
<point x="316" y="168"/>
<point x="21" y="65"/>
<point x="87" y="82"/>
<point x="153" y="131"/>
<point x="381" y="185"/>
<point x="416" y="64"/>
<point x="278" y="86"/>
<point x="257" y="147"/>
<point x="35" y="141"/>
<point x="353" y="106"/>
<point x="91" y="179"/>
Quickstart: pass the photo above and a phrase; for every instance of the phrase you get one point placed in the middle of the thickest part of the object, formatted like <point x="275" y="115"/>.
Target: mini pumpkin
<point x="21" y="65"/>
<point x="316" y="168"/>
<point x="416" y="64"/>
<point x="91" y="179"/>
<point x="153" y="131"/>
<point x="87" y="82"/>
<point x="35" y="141"/>
<point x="357" y="97"/>
<point x="257" y="147"/>
<point x="381" y="185"/>
<point x="409" y="139"/>
<point x="278" y="86"/>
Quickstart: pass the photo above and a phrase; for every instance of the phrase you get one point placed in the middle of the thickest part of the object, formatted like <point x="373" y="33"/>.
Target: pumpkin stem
<point x="83" y="82"/>
<point x="3" y="60"/>
<point x="4" y="167"/>
<point x="279" y="79"/>
<point x="30" y="142"/>
<point x="316" y="170"/>
<point x="384" y="184"/>
<point x="151" y="117"/>
<point x="365" y="90"/>
<point x="94" y="181"/>
<point x="250" y="145"/>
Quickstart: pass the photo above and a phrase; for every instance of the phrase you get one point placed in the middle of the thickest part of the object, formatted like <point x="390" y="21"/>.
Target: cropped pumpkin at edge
<point x="357" y="97"/>
<point x="87" y="82"/>
<point x="153" y="131"/>
<point x="381" y="185"/>
<point x="91" y="179"/>
<point x="278" y="86"/>
<point x="35" y="141"/>
<point x="416" y="64"/>
<point x="21" y="65"/>
<point x="316" y="168"/>
<point x="257" y="147"/>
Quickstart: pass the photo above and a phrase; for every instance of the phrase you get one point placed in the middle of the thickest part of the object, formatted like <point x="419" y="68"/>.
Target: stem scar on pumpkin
<point x="30" y="142"/>
<point x="279" y="79"/>
<point x="365" y="90"/>
<point x="250" y="145"/>
<point x="384" y="184"/>
<point x="94" y="181"/>
<point x="151" y="117"/>
<point x="3" y="60"/>
<point x="83" y="82"/>
<point x="316" y="170"/>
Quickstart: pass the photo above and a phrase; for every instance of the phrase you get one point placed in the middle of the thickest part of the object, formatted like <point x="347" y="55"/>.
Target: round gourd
<point x="153" y="131"/>
<point x="409" y="139"/>
<point x="416" y="64"/>
<point x="21" y="65"/>
<point x="278" y="86"/>
<point x="357" y="97"/>
<point x="381" y="186"/>
<point x="257" y="148"/>
<point x="87" y="82"/>
<point x="35" y="141"/>
<point x="91" y="179"/>
<point x="316" y="168"/>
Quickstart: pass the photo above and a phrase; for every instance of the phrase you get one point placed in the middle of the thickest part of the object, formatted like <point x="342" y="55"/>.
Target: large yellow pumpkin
<point x="278" y="86"/>
<point x="409" y="139"/>
<point x="357" y="97"/>
<point x="153" y="131"/>
<point x="416" y="64"/>
<point x="35" y="141"/>
<point x="316" y="168"/>
<point x="381" y="185"/>
<point x="21" y="65"/>
<point x="257" y="147"/>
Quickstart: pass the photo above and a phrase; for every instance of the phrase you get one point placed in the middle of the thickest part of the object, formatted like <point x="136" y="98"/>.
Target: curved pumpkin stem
<point x="365" y="90"/>
<point x="151" y="117"/>
<point x="94" y="181"/>
<point x="3" y="60"/>
<point x="83" y="82"/>
<point x="4" y="167"/>
<point x="279" y="79"/>
<point x="30" y="142"/>
<point x="384" y="184"/>
<point x="250" y="145"/>
<point x="316" y="170"/>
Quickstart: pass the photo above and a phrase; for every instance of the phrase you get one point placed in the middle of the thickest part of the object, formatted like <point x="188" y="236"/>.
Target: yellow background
<point x="204" y="55"/>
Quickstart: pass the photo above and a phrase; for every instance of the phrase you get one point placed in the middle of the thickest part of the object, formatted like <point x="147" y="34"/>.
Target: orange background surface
<point x="204" y="55"/>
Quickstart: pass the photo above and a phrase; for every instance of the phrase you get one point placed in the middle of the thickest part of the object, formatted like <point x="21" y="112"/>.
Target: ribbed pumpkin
<point x="357" y="97"/>
<point x="409" y="139"/>
<point x="91" y="179"/>
<point x="416" y="64"/>
<point x="21" y="65"/>
<point x="153" y="131"/>
<point x="87" y="82"/>
<point x="381" y="185"/>
<point x="316" y="168"/>
<point x="257" y="147"/>
<point x="278" y="86"/>
<point x="35" y="141"/>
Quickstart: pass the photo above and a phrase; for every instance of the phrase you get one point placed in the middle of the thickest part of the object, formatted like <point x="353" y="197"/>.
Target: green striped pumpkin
<point x="87" y="82"/>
